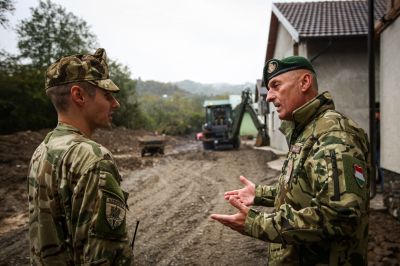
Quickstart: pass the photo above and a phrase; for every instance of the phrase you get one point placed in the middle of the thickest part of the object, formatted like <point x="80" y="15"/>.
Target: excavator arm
<point x="240" y="110"/>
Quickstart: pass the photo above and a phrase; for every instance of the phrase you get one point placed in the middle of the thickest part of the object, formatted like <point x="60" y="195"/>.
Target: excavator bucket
<point x="261" y="140"/>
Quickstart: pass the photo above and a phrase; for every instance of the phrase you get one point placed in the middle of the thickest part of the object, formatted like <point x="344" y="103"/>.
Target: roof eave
<point x="391" y="15"/>
<point x="337" y="36"/>
<point x="289" y="27"/>
<point x="272" y="35"/>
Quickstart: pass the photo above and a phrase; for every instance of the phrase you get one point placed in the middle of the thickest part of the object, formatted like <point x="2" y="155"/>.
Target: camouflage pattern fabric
<point x="77" y="210"/>
<point x="322" y="196"/>
<point x="74" y="68"/>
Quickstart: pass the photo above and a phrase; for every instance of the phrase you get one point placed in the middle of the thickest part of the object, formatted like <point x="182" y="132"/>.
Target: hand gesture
<point x="234" y="221"/>
<point x="245" y="195"/>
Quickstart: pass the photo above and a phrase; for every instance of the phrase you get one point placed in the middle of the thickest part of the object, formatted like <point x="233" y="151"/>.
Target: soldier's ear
<point x="78" y="95"/>
<point x="306" y="82"/>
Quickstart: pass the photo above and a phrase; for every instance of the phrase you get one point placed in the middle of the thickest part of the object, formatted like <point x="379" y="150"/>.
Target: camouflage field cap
<point x="90" y="68"/>
<point x="275" y="67"/>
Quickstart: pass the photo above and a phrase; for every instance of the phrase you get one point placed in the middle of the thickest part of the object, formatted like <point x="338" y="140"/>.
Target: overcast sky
<point x="171" y="40"/>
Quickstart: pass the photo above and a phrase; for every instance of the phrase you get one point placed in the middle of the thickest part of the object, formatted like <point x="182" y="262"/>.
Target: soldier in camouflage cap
<point x="321" y="200"/>
<point x="77" y="209"/>
<point x="90" y="68"/>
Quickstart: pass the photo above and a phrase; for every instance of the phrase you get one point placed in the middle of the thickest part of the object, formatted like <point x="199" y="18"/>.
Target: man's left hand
<point x="234" y="221"/>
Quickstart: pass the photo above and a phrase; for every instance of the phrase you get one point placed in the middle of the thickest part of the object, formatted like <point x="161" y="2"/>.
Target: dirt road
<point x="173" y="197"/>
<point x="181" y="193"/>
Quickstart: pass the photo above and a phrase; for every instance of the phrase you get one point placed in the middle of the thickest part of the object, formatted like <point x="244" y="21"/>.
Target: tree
<point x="23" y="103"/>
<point x="176" y="114"/>
<point x="129" y="113"/>
<point x="51" y="33"/>
<point x="5" y="6"/>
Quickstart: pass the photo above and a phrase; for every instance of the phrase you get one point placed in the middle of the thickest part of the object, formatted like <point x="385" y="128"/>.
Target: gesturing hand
<point x="244" y="195"/>
<point x="234" y="221"/>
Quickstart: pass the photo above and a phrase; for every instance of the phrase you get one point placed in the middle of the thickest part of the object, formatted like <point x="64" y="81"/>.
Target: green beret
<point x="74" y="68"/>
<point x="275" y="67"/>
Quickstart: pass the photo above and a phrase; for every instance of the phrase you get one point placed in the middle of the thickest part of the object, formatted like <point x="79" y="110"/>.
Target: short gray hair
<point x="59" y="95"/>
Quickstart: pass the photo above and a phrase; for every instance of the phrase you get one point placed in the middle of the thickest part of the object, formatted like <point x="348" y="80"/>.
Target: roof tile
<point x="330" y="18"/>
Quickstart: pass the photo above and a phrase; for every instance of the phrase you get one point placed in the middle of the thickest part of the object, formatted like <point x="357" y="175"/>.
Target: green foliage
<point x="5" y="6"/>
<point x="23" y="103"/>
<point x="129" y="114"/>
<point x="51" y="33"/>
<point x="174" y="114"/>
<point x="169" y="109"/>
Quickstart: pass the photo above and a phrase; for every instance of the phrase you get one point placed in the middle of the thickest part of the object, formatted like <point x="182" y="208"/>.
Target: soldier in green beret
<point x="321" y="200"/>
<point x="77" y="209"/>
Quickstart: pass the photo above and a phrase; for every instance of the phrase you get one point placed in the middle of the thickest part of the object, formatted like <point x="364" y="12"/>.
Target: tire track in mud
<point x="168" y="205"/>
<point x="175" y="205"/>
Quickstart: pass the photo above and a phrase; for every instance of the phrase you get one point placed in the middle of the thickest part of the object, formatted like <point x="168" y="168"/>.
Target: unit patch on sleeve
<point x="115" y="212"/>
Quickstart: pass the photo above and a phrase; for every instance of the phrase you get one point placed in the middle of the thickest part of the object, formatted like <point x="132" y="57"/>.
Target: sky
<point x="206" y="41"/>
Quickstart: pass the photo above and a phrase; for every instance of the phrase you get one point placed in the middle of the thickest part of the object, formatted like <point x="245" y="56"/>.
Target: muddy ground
<point x="172" y="196"/>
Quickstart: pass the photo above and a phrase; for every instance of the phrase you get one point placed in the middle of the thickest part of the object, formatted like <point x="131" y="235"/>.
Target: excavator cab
<point x="222" y="127"/>
<point x="218" y="125"/>
<point x="220" y="115"/>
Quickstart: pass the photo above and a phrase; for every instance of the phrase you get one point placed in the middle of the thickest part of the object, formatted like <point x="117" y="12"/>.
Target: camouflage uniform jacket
<point x="77" y="210"/>
<point x="321" y="200"/>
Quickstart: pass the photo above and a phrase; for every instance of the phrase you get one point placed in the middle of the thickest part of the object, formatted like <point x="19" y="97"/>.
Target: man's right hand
<point x="246" y="194"/>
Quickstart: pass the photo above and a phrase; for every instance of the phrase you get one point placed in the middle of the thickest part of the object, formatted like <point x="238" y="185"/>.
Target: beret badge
<point x="272" y="66"/>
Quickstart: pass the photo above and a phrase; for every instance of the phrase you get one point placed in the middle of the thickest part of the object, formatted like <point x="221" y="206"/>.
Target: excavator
<point x="222" y="127"/>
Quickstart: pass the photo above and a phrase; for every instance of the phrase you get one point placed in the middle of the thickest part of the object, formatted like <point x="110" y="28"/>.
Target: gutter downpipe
<point x="371" y="85"/>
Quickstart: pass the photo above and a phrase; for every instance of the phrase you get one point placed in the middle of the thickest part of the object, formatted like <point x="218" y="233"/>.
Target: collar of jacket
<point x="66" y="127"/>
<point x="61" y="130"/>
<point x="303" y="115"/>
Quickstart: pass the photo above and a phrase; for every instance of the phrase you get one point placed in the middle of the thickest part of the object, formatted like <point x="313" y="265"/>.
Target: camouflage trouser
<point x="392" y="198"/>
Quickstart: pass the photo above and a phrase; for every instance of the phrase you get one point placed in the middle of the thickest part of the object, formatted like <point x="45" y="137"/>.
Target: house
<point x="333" y="36"/>
<point x="388" y="32"/>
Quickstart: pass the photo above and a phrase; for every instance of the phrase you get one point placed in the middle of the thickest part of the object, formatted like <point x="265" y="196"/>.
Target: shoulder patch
<point x="115" y="212"/>
<point x="111" y="218"/>
<point x="355" y="175"/>
<point x="359" y="175"/>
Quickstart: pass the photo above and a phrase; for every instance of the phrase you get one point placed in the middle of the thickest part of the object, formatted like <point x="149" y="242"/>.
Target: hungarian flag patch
<point x="359" y="175"/>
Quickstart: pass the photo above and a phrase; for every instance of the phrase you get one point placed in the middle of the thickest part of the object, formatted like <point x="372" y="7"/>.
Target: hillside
<point x="213" y="88"/>
<point x="151" y="87"/>
<point x="189" y="88"/>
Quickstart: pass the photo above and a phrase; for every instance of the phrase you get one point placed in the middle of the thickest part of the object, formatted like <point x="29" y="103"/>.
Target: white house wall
<point x="283" y="48"/>
<point x="390" y="97"/>
<point x="342" y="69"/>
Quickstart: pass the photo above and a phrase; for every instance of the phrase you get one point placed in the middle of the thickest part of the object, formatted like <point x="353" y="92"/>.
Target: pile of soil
<point x="173" y="196"/>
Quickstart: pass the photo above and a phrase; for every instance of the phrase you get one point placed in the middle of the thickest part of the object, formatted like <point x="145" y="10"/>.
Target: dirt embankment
<point x="173" y="197"/>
